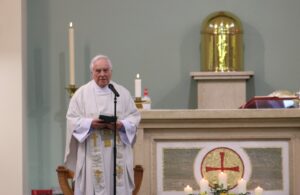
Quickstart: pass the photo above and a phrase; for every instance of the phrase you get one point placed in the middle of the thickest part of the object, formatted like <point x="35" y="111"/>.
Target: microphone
<point x="112" y="88"/>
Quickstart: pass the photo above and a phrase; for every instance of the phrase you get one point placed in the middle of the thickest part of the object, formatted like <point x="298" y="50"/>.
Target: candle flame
<point x="137" y="76"/>
<point x="71" y="24"/>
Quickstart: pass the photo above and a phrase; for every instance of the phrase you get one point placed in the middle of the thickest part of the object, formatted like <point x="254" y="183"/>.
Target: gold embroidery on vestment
<point x="107" y="135"/>
<point x="98" y="175"/>
<point x="94" y="136"/>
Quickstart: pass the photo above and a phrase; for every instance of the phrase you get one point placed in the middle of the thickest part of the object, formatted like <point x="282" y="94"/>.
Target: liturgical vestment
<point x="89" y="152"/>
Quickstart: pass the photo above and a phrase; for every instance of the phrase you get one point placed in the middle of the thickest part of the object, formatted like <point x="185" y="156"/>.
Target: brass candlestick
<point x="138" y="102"/>
<point x="71" y="89"/>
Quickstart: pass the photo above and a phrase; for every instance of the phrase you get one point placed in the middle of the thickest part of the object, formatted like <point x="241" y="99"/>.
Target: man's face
<point x="101" y="72"/>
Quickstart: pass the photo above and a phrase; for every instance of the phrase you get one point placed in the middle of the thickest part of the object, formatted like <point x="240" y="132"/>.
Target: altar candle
<point x="222" y="177"/>
<point x="258" y="191"/>
<point x="138" y="86"/>
<point x="242" y="185"/>
<point x="71" y="54"/>
<point x="203" y="185"/>
<point x="188" y="190"/>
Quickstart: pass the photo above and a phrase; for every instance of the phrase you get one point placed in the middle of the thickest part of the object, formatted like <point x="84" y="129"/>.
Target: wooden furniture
<point x="138" y="177"/>
<point x="65" y="177"/>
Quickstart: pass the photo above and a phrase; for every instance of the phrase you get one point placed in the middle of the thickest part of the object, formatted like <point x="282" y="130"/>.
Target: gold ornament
<point x="221" y="43"/>
<point x="225" y="160"/>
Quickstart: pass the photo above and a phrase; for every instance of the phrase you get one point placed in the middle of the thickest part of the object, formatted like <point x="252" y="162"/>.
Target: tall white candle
<point x="222" y="177"/>
<point x="258" y="191"/>
<point x="138" y="86"/>
<point x="242" y="186"/>
<point x="188" y="190"/>
<point x="203" y="185"/>
<point x="71" y="54"/>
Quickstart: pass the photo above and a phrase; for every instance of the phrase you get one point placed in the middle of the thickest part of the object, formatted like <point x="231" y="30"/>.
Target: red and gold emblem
<point x="225" y="160"/>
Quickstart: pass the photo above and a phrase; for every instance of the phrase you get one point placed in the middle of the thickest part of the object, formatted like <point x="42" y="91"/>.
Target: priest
<point x="89" y="140"/>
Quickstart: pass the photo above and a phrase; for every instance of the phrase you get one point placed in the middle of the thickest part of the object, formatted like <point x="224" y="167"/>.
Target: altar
<point x="171" y="146"/>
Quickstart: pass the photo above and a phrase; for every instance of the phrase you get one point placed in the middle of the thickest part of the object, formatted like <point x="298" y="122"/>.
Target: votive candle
<point x="258" y="191"/>
<point x="242" y="186"/>
<point x="188" y="190"/>
<point x="203" y="185"/>
<point x="222" y="177"/>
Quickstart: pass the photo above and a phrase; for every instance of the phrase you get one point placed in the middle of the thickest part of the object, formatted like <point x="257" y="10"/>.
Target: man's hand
<point x="98" y="124"/>
<point x="111" y="125"/>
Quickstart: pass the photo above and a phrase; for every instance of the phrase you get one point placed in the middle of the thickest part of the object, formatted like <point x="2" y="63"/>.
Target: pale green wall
<point x="158" y="39"/>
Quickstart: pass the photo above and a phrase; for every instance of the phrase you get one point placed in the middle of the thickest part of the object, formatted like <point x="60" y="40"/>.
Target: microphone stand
<point x="115" y="146"/>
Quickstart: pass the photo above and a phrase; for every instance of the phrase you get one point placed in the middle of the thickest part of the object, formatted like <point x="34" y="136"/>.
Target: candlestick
<point x="188" y="190"/>
<point x="258" y="191"/>
<point x="203" y="185"/>
<point x="71" y="54"/>
<point x="71" y="90"/>
<point x="139" y="102"/>
<point x="242" y="186"/>
<point x="222" y="177"/>
<point x="138" y="86"/>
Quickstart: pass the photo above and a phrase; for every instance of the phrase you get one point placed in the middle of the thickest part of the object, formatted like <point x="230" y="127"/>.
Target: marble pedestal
<point x="221" y="90"/>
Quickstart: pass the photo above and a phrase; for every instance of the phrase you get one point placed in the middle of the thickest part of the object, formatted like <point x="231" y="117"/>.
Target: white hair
<point x="98" y="57"/>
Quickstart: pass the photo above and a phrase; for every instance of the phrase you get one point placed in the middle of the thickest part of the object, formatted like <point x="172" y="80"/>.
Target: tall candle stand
<point x="71" y="89"/>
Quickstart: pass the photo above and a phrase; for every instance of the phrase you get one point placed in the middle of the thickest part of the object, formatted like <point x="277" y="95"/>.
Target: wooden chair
<point x="65" y="177"/>
<point x="138" y="177"/>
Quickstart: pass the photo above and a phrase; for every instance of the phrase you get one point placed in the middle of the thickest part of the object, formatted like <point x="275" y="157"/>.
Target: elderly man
<point x="89" y="140"/>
